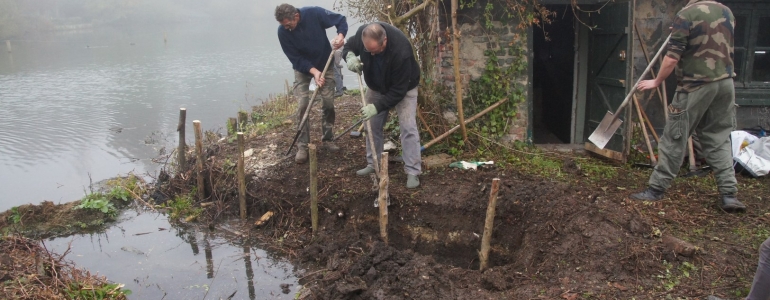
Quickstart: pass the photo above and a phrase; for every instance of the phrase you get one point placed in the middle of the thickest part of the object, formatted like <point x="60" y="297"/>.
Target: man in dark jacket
<point x="302" y="35"/>
<point x="392" y="75"/>
<point x="701" y="49"/>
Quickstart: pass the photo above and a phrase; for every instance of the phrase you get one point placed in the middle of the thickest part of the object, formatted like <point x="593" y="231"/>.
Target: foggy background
<point x="91" y="90"/>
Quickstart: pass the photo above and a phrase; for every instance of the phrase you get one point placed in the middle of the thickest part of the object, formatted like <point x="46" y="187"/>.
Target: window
<point x="752" y="51"/>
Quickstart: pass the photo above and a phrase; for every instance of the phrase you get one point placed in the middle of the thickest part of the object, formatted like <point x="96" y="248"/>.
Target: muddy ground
<point x="564" y="228"/>
<point x="568" y="234"/>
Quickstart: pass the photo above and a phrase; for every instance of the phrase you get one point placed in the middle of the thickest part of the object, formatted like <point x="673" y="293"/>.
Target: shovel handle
<point x="309" y="105"/>
<point x="641" y="77"/>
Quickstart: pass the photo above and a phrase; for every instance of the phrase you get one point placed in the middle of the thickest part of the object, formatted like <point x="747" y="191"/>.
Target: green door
<point x="608" y="71"/>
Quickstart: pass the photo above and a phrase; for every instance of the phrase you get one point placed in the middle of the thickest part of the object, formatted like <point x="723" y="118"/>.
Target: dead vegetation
<point x="30" y="271"/>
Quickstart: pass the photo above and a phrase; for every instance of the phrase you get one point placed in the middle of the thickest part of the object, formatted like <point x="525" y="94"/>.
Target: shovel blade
<point x="604" y="132"/>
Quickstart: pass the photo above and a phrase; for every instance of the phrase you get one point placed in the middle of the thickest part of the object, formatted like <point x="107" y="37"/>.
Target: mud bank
<point x="564" y="228"/>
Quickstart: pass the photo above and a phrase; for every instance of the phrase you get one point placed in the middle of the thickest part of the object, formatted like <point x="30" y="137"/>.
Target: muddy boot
<point x="365" y="171"/>
<point x="301" y="157"/>
<point x="649" y="194"/>
<point x="412" y="181"/>
<point x="731" y="204"/>
<point x="330" y="146"/>
<point x="712" y="297"/>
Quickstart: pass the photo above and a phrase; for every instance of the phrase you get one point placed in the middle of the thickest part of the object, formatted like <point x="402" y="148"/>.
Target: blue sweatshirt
<point x="307" y="46"/>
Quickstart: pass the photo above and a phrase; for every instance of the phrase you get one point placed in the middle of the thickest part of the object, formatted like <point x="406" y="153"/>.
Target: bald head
<point x="375" y="32"/>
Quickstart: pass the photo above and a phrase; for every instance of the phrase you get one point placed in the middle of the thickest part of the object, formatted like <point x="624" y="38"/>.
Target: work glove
<point x="354" y="63"/>
<point x="368" y="111"/>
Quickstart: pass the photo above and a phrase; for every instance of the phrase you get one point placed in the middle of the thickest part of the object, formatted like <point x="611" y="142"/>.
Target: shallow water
<point x="157" y="261"/>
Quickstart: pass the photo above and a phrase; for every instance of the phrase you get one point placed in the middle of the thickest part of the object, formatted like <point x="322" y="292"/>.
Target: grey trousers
<point x="710" y="112"/>
<point x="326" y="95"/>
<point x="407" y="122"/>
<point x="760" y="288"/>
<point x="338" y="80"/>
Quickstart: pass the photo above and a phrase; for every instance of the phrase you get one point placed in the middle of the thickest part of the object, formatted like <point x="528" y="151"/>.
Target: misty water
<point x="82" y="106"/>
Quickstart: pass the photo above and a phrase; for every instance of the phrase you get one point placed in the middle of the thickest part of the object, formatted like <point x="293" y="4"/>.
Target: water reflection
<point x="155" y="260"/>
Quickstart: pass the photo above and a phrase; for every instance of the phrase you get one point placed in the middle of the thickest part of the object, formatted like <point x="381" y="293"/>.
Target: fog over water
<point x="100" y="94"/>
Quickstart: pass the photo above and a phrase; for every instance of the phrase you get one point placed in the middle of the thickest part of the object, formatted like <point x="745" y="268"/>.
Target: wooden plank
<point x="614" y="155"/>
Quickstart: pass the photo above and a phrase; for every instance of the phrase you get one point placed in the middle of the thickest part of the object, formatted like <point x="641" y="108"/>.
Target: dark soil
<point x="571" y="234"/>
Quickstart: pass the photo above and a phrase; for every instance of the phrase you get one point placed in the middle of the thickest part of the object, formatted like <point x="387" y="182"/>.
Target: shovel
<point x="610" y="123"/>
<point x="353" y="134"/>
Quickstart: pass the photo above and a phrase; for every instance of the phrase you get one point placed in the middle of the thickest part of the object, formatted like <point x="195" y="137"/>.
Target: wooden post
<point x="288" y="91"/>
<point x="8" y="45"/>
<point x="243" y="120"/>
<point x="488" y="225"/>
<point x="241" y="176"/>
<point x="165" y="38"/>
<point x="383" y="197"/>
<point x="456" y="62"/>
<point x="199" y="159"/>
<point x="691" y="154"/>
<point x="182" y="151"/>
<point x="653" y="160"/>
<point x="313" y="187"/>
<point x="232" y="126"/>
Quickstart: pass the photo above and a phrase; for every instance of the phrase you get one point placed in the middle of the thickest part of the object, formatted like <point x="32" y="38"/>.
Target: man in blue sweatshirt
<point x="302" y="35"/>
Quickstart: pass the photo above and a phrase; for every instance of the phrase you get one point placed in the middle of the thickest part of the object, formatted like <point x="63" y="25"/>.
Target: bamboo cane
<point x="653" y="160"/>
<point x="456" y="62"/>
<point x="471" y="119"/>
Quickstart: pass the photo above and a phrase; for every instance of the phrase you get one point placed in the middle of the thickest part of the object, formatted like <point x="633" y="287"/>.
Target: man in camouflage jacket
<point x="701" y="50"/>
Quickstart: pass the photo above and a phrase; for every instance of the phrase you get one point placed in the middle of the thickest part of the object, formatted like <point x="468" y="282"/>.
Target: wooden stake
<point x="691" y="152"/>
<point x="232" y="126"/>
<point x="489" y="225"/>
<point x="8" y="45"/>
<point x="243" y="120"/>
<point x="653" y="160"/>
<point x="649" y="125"/>
<point x="199" y="159"/>
<point x="383" y="197"/>
<point x="182" y="149"/>
<point x="458" y="79"/>
<point x="241" y="175"/>
<point x="165" y="38"/>
<point x="313" y="186"/>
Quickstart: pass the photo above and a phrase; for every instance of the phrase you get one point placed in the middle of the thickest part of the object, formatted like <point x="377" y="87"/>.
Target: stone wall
<point x="475" y="40"/>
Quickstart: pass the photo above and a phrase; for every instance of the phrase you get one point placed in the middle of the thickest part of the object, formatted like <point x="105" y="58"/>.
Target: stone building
<point x="585" y="62"/>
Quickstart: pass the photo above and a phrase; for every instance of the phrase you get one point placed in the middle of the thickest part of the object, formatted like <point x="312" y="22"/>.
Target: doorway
<point x="553" y="77"/>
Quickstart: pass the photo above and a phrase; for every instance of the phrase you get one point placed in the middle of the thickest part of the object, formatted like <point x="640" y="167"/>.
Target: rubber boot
<point x="365" y="171"/>
<point x="731" y="204"/>
<point x="301" y="157"/>
<point x="412" y="181"/>
<point x="649" y="194"/>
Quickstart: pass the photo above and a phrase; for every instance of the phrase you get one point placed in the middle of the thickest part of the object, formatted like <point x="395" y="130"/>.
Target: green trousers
<point x="325" y="94"/>
<point x="709" y="112"/>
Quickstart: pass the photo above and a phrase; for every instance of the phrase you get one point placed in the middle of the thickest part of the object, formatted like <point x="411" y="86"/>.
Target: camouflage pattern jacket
<point x="702" y="42"/>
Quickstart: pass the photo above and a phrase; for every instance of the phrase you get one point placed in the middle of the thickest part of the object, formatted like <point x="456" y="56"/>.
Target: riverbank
<point x="564" y="227"/>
